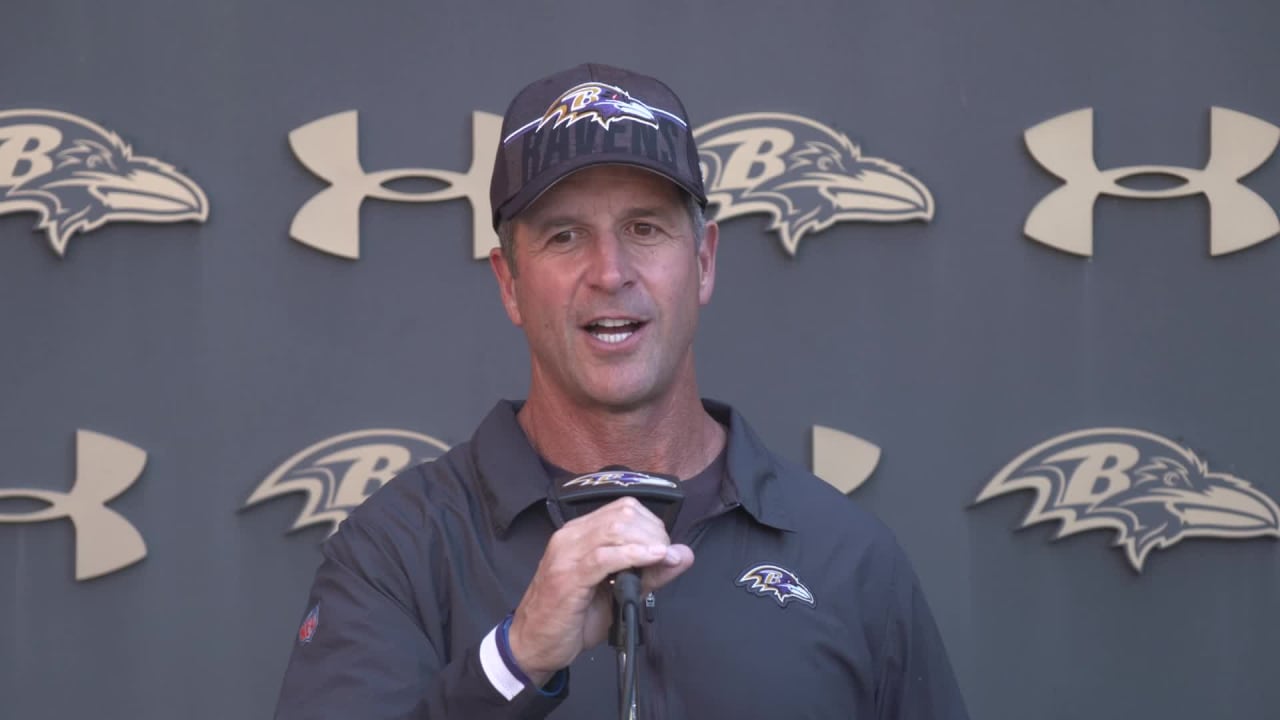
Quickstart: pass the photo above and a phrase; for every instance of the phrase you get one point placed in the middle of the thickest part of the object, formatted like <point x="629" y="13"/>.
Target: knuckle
<point x="558" y="539"/>
<point x="600" y="555"/>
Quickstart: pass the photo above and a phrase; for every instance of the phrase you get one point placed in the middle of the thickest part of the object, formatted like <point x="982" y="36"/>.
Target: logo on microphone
<point x="621" y="478"/>
<point x="339" y="473"/>
<point x="777" y="582"/>
<point x="1151" y="491"/>
<point x="78" y="176"/>
<point x="1238" y="217"/>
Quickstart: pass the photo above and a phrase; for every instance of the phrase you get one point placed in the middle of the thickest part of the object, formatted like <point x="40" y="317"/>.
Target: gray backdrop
<point x="223" y="348"/>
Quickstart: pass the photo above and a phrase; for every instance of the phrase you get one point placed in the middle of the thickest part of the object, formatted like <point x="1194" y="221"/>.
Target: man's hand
<point x="566" y="608"/>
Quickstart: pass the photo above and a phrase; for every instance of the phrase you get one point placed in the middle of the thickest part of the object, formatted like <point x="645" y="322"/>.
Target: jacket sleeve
<point x="916" y="680"/>
<point x="365" y="648"/>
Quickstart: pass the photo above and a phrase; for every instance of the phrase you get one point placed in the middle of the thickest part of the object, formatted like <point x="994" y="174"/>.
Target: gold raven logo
<point x="78" y="176"/>
<point x="1150" y="491"/>
<point x="805" y="175"/>
<point x="339" y="473"/>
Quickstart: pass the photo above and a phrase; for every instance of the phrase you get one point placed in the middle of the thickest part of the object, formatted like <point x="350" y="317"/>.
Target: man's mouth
<point x="613" y="330"/>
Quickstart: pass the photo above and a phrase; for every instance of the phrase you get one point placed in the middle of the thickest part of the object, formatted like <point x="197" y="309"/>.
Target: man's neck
<point x="676" y="437"/>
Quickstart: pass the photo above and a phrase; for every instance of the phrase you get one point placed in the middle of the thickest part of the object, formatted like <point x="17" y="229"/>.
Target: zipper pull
<point x="650" y="604"/>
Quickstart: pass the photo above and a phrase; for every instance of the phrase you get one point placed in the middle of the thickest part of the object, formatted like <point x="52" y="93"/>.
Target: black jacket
<point x="420" y="573"/>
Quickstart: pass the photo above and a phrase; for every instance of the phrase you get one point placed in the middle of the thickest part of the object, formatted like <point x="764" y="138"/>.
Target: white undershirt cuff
<point x="495" y="669"/>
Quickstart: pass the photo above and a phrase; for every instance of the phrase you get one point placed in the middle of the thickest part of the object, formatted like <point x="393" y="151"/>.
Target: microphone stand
<point x="624" y="636"/>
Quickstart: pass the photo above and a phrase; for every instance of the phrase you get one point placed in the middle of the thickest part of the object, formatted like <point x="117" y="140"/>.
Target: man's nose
<point x="611" y="267"/>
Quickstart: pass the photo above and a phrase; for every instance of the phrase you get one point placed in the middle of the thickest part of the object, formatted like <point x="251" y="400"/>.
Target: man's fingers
<point x="622" y="522"/>
<point x="618" y="522"/>
<point x="566" y="608"/>
<point x="674" y="562"/>
<point x="609" y="559"/>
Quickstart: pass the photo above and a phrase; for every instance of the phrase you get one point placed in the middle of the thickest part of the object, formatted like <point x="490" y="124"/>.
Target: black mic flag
<point x="661" y="494"/>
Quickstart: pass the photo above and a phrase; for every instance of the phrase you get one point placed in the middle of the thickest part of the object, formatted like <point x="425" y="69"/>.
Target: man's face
<point x="608" y="284"/>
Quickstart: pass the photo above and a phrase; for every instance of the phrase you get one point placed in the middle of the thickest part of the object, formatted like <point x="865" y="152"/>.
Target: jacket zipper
<point x="653" y="702"/>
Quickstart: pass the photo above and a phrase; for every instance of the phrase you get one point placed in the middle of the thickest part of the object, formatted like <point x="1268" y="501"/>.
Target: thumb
<point x="678" y="559"/>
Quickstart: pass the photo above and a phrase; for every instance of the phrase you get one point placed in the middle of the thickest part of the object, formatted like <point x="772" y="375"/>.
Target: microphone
<point x="662" y="495"/>
<point x="584" y="494"/>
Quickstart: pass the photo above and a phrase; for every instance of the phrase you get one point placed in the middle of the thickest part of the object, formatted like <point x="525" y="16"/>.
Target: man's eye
<point x="562" y="237"/>
<point x="643" y="229"/>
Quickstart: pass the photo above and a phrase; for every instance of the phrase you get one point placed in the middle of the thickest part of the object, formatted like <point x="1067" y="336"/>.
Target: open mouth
<point x="613" y="330"/>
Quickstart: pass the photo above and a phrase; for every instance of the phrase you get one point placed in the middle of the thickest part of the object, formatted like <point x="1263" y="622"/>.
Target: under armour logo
<point x="845" y="461"/>
<point x="105" y="540"/>
<point x="1238" y="217"/>
<point x="330" y="148"/>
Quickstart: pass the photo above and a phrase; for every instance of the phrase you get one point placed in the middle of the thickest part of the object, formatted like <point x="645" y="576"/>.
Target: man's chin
<point x="619" y="398"/>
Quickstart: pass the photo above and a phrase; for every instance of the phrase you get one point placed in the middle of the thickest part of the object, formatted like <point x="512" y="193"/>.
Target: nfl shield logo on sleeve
<point x="309" y="625"/>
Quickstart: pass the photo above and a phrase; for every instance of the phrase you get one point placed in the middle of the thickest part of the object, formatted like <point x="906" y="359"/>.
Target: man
<point x="457" y="591"/>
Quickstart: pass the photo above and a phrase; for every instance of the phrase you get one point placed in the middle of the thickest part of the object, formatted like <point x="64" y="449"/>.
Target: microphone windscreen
<point x="584" y="494"/>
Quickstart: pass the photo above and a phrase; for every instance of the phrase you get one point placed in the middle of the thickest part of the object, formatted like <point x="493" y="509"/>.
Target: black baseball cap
<point x="590" y="115"/>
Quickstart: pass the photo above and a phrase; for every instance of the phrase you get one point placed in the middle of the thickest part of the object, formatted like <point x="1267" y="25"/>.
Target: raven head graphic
<point x="805" y="175"/>
<point x="622" y="478"/>
<point x="605" y="104"/>
<point x="78" y="176"/>
<point x="339" y="473"/>
<point x="776" y="582"/>
<point x="1150" y="491"/>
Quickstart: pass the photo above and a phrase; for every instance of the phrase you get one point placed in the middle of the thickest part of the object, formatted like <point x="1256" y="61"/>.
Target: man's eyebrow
<point x="541" y="225"/>
<point x="646" y="212"/>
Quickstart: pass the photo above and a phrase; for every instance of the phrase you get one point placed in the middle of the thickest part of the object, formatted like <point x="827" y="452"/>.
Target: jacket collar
<point x="513" y="477"/>
<point x="754" y="478"/>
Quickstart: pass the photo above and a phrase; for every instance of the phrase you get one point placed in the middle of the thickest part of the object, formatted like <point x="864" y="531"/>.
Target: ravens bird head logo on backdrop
<point x="339" y="473"/>
<point x="78" y="176"/>
<point x="805" y="175"/>
<point x="1150" y="491"/>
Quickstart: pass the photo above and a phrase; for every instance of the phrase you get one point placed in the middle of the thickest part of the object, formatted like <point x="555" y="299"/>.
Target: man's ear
<point x="506" y="284"/>
<point x="707" y="263"/>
